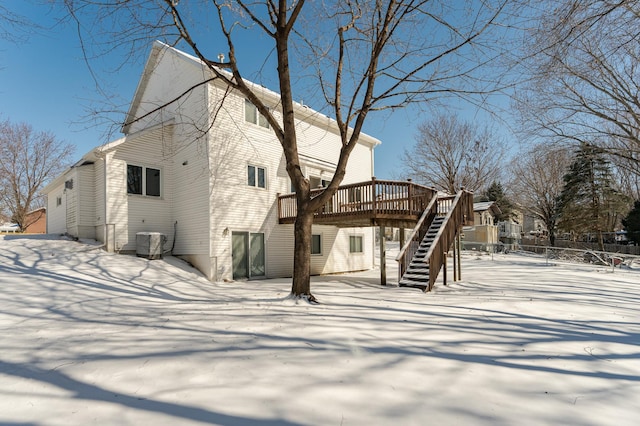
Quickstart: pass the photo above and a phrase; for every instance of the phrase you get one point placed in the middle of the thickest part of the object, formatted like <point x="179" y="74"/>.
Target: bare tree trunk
<point x="301" y="286"/>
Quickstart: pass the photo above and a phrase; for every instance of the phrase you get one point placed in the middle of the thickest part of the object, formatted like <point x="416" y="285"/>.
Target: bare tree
<point x="451" y="153"/>
<point x="585" y="80"/>
<point x="353" y="58"/>
<point x="13" y="27"/>
<point x="537" y="182"/>
<point x="28" y="159"/>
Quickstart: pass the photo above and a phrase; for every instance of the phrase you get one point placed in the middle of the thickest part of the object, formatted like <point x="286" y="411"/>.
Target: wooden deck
<point x="371" y="203"/>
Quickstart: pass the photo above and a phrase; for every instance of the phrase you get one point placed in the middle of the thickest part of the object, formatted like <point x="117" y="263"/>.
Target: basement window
<point x="355" y="244"/>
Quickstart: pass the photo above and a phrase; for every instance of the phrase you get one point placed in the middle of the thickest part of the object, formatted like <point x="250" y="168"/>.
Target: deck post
<point x="444" y="269"/>
<point x="401" y="232"/>
<point x="455" y="258"/>
<point x="459" y="258"/>
<point x="383" y="257"/>
<point x="374" y="202"/>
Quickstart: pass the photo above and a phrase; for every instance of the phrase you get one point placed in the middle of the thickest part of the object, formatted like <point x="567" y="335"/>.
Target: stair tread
<point x="416" y="274"/>
<point x="409" y="283"/>
<point x="417" y="270"/>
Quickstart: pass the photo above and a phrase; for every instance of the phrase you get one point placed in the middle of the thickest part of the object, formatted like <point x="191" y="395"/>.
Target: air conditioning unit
<point x="150" y="245"/>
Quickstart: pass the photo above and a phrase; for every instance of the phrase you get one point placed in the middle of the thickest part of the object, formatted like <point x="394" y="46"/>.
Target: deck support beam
<point x="383" y="257"/>
<point x="455" y="258"/>
<point x="459" y="242"/>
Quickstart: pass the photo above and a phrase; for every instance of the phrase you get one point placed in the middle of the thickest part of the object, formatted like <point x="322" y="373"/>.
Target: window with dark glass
<point x="316" y="244"/>
<point x="143" y="181"/>
<point x="256" y="176"/>
<point x="134" y="179"/>
<point x="153" y="182"/>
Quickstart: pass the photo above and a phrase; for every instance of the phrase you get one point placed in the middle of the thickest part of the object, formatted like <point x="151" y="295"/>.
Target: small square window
<point x="316" y="244"/>
<point x="252" y="115"/>
<point x="355" y="244"/>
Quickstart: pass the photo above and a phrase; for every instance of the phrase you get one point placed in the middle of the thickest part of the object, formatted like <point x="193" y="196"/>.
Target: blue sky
<point x="45" y="81"/>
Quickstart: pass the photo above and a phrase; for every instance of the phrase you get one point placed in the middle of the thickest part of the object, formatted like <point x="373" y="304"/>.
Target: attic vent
<point x="68" y="184"/>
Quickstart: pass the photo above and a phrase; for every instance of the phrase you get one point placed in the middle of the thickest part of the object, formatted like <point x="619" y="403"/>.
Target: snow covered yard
<point x="88" y="337"/>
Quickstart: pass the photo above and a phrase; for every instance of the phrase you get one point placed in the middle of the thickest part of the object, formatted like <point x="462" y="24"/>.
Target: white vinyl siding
<point x="56" y="214"/>
<point x="86" y="206"/>
<point x="334" y="258"/>
<point x="132" y="214"/>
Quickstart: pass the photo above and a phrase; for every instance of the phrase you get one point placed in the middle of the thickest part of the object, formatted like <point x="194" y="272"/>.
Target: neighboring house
<point x="9" y="227"/>
<point x="484" y="232"/>
<point x="37" y="221"/>
<point x="210" y="185"/>
<point x="510" y="231"/>
<point x="533" y="227"/>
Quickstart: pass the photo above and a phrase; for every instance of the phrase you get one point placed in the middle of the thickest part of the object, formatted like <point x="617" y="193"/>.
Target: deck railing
<point x="375" y="197"/>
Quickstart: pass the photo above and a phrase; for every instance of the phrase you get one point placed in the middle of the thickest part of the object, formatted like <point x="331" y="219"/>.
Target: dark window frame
<point x="317" y="252"/>
<point x="356" y="244"/>
<point x="145" y="181"/>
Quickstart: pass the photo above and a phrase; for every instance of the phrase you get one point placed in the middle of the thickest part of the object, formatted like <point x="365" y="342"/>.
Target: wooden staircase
<point x="417" y="274"/>
<point x="424" y="254"/>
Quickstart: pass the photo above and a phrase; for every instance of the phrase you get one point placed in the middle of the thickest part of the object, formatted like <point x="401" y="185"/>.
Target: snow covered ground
<point x="88" y="337"/>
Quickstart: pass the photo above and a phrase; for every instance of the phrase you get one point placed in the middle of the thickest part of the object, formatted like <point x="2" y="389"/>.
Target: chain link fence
<point x="570" y="255"/>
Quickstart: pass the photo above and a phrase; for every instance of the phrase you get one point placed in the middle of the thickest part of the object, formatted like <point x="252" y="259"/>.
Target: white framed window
<point x="355" y="244"/>
<point x="316" y="244"/>
<point x="252" y="115"/>
<point x="256" y="176"/>
<point x="58" y="200"/>
<point x="143" y="180"/>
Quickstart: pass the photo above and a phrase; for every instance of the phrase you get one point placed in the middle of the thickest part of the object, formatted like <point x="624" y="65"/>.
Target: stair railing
<point x="417" y="234"/>
<point x="456" y="217"/>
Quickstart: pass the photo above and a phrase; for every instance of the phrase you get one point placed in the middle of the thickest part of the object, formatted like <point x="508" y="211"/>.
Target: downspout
<point x="106" y="209"/>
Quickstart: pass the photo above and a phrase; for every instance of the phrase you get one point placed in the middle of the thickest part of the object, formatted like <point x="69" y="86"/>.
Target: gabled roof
<point x="487" y="205"/>
<point x="303" y="112"/>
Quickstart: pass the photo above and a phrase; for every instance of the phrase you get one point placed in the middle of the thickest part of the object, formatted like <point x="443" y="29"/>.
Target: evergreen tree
<point x="495" y="193"/>
<point x="589" y="202"/>
<point x="631" y="223"/>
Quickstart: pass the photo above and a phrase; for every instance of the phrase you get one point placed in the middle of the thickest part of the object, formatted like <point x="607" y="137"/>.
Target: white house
<point x="205" y="170"/>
